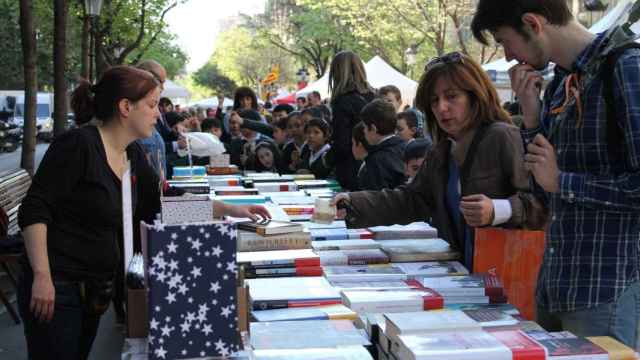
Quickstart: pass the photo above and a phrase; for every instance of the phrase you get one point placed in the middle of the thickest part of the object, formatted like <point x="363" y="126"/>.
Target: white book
<point x="429" y="322"/>
<point x="352" y="257"/>
<point x="417" y="230"/>
<point x="372" y="285"/>
<point x="432" y="269"/>
<point x="390" y="301"/>
<point x="364" y="273"/>
<point x="358" y="244"/>
<point x="472" y="345"/>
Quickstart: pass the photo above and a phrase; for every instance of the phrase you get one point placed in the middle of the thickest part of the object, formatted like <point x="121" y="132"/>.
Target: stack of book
<point x="192" y="186"/>
<point x="275" y="186"/>
<point x="395" y="271"/>
<point x="417" y="230"/>
<point x="233" y="190"/>
<point x="252" y="241"/>
<point x="229" y="180"/>
<point x="470" y="289"/>
<point x="223" y="170"/>
<point x="278" y="293"/>
<point x="320" y="234"/>
<point x="328" y="312"/>
<point x="344" y="245"/>
<point x="413" y="250"/>
<point x="280" y="263"/>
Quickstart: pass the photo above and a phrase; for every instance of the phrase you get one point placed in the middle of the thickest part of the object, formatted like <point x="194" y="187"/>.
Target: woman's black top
<point x="77" y="195"/>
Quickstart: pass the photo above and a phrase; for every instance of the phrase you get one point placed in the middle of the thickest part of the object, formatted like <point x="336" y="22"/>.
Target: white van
<point x="44" y="109"/>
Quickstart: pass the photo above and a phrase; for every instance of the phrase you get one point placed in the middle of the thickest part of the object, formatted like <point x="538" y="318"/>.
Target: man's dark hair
<point x="358" y="135"/>
<point x="301" y="98"/>
<point x="281" y="123"/>
<point x="173" y="118"/>
<point x="411" y="119"/>
<point x="320" y="124"/>
<point x="244" y="92"/>
<point x="381" y="114"/>
<point x="493" y="14"/>
<point x="250" y="114"/>
<point x="390" y="89"/>
<point x="316" y="94"/>
<point x="417" y="149"/>
<point x="315" y="112"/>
<point x="283" y="107"/>
<point x="210" y="123"/>
<point x="164" y="102"/>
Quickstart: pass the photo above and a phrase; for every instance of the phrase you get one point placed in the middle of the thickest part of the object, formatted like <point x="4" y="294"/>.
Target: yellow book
<point x="616" y="350"/>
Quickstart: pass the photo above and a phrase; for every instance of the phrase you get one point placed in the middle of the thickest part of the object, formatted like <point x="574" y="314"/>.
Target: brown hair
<point x="493" y="14"/>
<point x="468" y="76"/>
<point x="101" y="100"/>
<point x="381" y="114"/>
<point x="347" y="74"/>
<point x="390" y="89"/>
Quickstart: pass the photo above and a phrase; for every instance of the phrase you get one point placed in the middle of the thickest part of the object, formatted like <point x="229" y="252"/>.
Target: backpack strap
<point x="614" y="131"/>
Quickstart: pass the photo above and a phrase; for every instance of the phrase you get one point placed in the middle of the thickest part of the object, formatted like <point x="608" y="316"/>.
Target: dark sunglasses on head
<point x="450" y="58"/>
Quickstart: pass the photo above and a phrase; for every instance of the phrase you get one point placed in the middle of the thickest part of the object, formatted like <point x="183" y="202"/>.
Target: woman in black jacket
<point x="350" y="92"/>
<point x="72" y="218"/>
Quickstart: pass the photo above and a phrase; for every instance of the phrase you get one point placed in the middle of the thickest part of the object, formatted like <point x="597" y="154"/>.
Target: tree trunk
<point x="29" y="54"/>
<point x="84" y="47"/>
<point x="61" y="9"/>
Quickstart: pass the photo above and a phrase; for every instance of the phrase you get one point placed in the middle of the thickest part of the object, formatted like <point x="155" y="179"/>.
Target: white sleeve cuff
<point x="175" y="146"/>
<point x="502" y="211"/>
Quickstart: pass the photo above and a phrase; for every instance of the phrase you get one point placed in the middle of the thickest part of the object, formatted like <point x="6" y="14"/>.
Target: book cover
<point x="414" y="250"/>
<point x="344" y="245"/>
<point x="417" y="230"/>
<point x="384" y="272"/>
<point x="429" y="322"/>
<point x="305" y="334"/>
<point x="577" y="348"/>
<point x="220" y="191"/>
<point x="250" y="241"/>
<point x="277" y="293"/>
<point x="271" y="228"/>
<point x="259" y="273"/>
<point x="392" y="301"/>
<point x="275" y="186"/>
<point x="376" y="285"/>
<point x="338" y="224"/>
<point x="342" y="353"/>
<point x="215" y="181"/>
<point x="432" y="269"/>
<point x="330" y="312"/>
<point x="279" y="258"/>
<point x="522" y="346"/>
<point x="451" y="345"/>
<point x="491" y="317"/>
<point x="190" y="307"/>
<point x="353" y="257"/>
<point x="468" y="285"/>
<point x="615" y="349"/>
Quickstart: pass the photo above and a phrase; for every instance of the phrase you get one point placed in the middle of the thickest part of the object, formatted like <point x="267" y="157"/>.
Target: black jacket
<point x="346" y="114"/>
<point x="384" y="165"/>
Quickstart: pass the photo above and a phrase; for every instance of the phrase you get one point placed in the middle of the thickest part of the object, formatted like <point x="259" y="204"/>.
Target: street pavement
<point x="11" y="161"/>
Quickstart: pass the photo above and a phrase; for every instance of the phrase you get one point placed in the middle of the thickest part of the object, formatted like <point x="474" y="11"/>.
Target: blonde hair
<point x="347" y="74"/>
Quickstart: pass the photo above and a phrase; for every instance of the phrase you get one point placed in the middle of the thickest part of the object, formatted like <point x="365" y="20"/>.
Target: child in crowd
<point x="414" y="155"/>
<point x="359" y="148"/>
<point x="312" y="113"/>
<point x="213" y="126"/>
<point x="281" y="111"/>
<point x="235" y="122"/>
<point x="242" y="149"/>
<point x="384" y="164"/>
<point x="296" y="147"/>
<point x="407" y="126"/>
<point x="392" y="95"/>
<point x="280" y="136"/>
<point x="315" y="160"/>
<point x="268" y="159"/>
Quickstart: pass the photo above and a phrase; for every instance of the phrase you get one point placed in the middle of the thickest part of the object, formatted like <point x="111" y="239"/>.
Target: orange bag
<point x="515" y="257"/>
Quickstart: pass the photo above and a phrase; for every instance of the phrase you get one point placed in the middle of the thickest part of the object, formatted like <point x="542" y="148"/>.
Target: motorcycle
<point x="10" y="137"/>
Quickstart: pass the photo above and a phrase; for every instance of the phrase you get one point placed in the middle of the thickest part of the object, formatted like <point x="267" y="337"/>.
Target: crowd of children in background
<point x="389" y="141"/>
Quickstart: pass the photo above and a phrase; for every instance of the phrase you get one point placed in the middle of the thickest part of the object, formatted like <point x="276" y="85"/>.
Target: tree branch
<point x="153" y="38"/>
<point x="136" y="44"/>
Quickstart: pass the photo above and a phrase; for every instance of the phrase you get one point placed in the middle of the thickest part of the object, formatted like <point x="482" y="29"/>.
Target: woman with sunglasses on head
<point x="72" y="216"/>
<point x="474" y="176"/>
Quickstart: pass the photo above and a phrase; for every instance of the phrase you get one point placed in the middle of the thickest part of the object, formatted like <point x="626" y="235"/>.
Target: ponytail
<point x="82" y="103"/>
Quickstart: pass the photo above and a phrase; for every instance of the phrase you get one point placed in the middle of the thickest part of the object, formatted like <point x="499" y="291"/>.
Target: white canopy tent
<point x="177" y="93"/>
<point x="211" y="103"/>
<point x="379" y="74"/>
<point x="499" y="70"/>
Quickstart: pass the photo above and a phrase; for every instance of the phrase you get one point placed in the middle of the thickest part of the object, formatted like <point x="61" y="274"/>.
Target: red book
<point x="522" y="347"/>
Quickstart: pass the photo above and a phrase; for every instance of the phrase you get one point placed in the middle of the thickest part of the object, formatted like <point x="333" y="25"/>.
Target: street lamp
<point x="92" y="10"/>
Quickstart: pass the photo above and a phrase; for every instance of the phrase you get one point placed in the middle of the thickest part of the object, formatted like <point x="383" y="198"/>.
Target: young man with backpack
<point x="583" y="152"/>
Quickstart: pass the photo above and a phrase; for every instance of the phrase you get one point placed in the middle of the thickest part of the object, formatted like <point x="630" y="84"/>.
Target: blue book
<point x="192" y="290"/>
<point x="329" y="234"/>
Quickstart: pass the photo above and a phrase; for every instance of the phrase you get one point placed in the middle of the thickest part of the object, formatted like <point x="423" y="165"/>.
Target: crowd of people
<point x="456" y="159"/>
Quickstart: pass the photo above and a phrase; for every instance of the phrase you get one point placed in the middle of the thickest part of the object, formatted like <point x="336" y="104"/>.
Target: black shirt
<point x="78" y="196"/>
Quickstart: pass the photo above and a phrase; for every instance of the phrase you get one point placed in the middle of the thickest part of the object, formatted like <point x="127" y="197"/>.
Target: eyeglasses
<point x="450" y="58"/>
